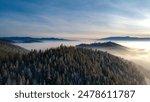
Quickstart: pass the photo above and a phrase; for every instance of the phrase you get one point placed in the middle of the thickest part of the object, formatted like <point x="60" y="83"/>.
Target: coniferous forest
<point x="67" y="66"/>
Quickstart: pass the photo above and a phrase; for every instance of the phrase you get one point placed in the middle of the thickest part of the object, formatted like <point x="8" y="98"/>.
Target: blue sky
<point x="75" y="18"/>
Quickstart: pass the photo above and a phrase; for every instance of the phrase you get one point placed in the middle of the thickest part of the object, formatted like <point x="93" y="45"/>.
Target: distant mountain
<point x="105" y="45"/>
<point x="127" y="38"/>
<point x="7" y="49"/>
<point x="29" y="39"/>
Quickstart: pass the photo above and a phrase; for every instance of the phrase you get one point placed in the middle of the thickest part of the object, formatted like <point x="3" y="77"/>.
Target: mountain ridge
<point x="30" y="39"/>
<point x="105" y="45"/>
<point x="125" y="38"/>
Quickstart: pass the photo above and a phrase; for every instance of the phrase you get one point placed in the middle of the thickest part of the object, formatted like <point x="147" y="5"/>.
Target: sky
<point x="75" y="18"/>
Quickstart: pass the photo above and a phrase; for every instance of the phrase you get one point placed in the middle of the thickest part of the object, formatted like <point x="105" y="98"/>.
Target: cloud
<point x="74" y="17"/>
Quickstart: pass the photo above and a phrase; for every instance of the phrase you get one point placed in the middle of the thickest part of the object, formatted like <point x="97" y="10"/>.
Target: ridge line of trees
<point x="68" y="66"/>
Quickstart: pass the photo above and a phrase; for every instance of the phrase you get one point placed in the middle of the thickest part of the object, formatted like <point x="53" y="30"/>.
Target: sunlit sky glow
<point x="75" y="18"/>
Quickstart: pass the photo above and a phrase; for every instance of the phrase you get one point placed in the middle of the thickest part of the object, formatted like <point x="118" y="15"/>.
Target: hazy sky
<point x="74" y="18"/>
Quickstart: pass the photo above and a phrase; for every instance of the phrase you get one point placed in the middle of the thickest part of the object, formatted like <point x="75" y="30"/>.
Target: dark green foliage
<point x="104" y="44"/>
<point x="68" y="65"/>
<point x="8" y="49"/>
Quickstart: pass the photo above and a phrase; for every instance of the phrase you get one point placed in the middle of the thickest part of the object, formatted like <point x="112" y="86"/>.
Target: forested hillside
<point x="68" y="65"/>
<point x="104" y="45"/>
<point x="7" y="49"/>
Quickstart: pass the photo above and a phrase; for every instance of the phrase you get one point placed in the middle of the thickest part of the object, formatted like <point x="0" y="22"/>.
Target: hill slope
<point x="10" y="49"/>
<point x="108" y="45"/>
<point x="68" y="65"/>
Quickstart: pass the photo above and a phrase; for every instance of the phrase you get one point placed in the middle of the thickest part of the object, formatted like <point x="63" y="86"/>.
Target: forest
<point x="8" y="49"/>
<point x="67" y="66"/>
